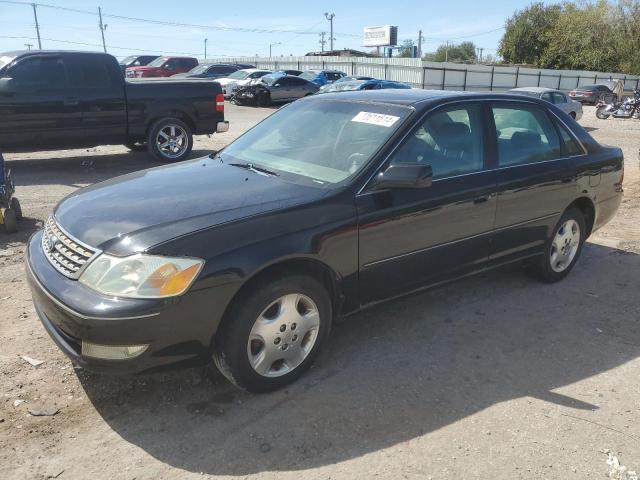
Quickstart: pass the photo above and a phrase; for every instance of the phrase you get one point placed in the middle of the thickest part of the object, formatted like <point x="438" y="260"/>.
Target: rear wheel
<point x="10" y="221"/>
<point x="170" y="140"/>
<point x="563" y="248"/>
<point x="600" y="112"/>
<point x="16" y="207"/>
<point x="264" y="99"/>
<point x="271" y="337"/>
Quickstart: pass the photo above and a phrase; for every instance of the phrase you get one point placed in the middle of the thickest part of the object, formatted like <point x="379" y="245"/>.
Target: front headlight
<point x="141" y="276"/>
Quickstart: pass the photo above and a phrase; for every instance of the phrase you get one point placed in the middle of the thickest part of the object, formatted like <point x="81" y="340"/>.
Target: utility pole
<point x="35" y="17"/>
<point x="330" y="17"/>
<point x="102" y="28"/>
<point x="480" y="50"/>
<point x="322" y="41"/>
<point x="273" y="45"/>
<point x="205" y="48"/>
<point x="446" y="52"/>
<point x="28" y="45"/>
<point x="419" y="43"/>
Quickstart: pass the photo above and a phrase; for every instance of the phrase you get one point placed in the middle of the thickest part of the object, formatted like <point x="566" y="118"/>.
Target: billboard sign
<point x="385" y="36"/>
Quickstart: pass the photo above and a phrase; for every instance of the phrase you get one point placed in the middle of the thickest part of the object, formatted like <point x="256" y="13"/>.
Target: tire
<point x="136" y="146"/>
<point x="572" y="115"/>
<point x="16" y="207"/>
<point x="161" y="131"/>
<point x="264" y="99"/>
<point x="10" y="221"/>
<point x="600" y="112"/>
<point x="563" y="248"/>
<point x="260" y="314"/>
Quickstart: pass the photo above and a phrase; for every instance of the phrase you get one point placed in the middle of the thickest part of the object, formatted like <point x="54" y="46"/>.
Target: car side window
<point x="450" y="140"/>
<point x="171" y="64"/>
<point x="571" y="145"/>
<point x="525" y="135"/>
<point x="39" y="74"/>
<point x="547" y="96"/>
<point x="91" y="73"/>
<point x="559" y="98"/>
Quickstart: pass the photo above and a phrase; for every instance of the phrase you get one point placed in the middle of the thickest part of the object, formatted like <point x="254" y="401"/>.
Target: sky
<point x="292" y="26"/>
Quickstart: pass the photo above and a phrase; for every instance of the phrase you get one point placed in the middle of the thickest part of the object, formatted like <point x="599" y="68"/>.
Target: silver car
<point x="558" y="98"/>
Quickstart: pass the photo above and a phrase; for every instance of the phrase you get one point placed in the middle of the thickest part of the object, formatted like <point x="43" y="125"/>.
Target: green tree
<point x="625" y="16"/>
<point x="526" y="39"/>
<point x="464" y="52"/>
<point x="407" y="49"/>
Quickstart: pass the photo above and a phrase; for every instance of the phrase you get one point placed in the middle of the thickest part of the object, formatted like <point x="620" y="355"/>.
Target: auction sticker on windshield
<point x="375" y="119"/>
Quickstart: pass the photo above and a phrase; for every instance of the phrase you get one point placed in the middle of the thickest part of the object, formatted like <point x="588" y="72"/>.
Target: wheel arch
<point x="588" y="209"/>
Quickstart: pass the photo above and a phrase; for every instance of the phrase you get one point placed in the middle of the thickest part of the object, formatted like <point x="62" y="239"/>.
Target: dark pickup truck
<point x="57" y="99"/>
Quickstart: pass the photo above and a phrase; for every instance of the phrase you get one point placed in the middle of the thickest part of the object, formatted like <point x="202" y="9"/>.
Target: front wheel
<point x="271" y="337"/>
<point x="10" y="221"/>
<point x="16" y="207"/>
<point x="170" y="140"/>
<point x="601" y="112"/>
<point x="563" y="249"/>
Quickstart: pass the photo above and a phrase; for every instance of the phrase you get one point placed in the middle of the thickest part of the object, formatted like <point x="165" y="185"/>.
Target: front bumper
<point x="179" y="331"/>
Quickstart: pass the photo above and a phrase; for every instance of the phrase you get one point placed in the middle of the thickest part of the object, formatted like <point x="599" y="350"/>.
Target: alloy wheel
<point x="172" y="141"/>
<point x="565" y="245"/>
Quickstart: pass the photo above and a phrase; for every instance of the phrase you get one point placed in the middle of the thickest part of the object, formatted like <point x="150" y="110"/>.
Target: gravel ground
<point x="496" y="376"/>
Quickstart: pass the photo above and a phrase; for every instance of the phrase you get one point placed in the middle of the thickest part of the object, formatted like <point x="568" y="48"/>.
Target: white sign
<point x="379" y="119"/>
<point x="385" y="36"/>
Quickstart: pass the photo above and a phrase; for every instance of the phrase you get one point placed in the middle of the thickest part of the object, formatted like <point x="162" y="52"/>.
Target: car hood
<point x="134" y="212"/>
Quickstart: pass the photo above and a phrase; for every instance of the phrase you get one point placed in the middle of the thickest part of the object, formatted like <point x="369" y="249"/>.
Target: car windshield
<point x="128" y="60"/>
<point x="309" y="75"/>
<point x="321" y="143"/>
<point x="158" y="62"/>
<point x="271" y="78"/>
<point x="202" y="68"/>
<point x="5" y="60"/>
<point x="240" y="75"/>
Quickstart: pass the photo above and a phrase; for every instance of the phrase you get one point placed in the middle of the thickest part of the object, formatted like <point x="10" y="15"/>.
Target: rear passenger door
<point x="409" y="238"/>
<point x="100" y="93"/>
<point x="536" y="178"/>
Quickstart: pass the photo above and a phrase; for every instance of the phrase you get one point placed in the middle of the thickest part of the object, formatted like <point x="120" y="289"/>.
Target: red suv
<point x="163" y="67"/>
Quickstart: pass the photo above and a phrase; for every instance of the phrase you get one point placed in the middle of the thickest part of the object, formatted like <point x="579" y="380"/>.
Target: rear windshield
<point x="158" y="62"/>
<point x="309" y="75"/>
<point x="128" y="60"/>
<point x="202" y="68"/>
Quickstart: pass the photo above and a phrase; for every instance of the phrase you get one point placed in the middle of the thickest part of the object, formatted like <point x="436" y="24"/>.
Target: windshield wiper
<point x="254" y="168"/>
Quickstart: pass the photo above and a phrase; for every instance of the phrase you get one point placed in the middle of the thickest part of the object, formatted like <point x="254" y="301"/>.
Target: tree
<point x="526" y="36"/>
<point x="407" y="49"/>
<point x="464" y="52"/>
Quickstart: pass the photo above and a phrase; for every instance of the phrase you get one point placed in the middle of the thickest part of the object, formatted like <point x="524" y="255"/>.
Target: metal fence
<point x="442" y="76"/>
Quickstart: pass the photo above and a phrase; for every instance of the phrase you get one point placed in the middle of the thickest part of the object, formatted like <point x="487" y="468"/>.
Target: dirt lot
<point x="493" y="377"/>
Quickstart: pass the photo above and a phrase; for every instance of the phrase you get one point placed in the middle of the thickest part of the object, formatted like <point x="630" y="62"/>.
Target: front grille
<point x="66" y="254"/>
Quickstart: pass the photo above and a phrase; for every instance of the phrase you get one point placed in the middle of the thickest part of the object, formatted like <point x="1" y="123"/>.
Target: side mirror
<point x="7" y="86"/>
<point x="404" y="175"/>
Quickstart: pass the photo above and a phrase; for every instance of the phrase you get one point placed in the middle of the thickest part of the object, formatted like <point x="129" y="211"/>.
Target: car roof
<point x="419" y="98"/>
<point x="18" y="53"/>
<point x="253" y="70"/>
<point x="534" y="89"/>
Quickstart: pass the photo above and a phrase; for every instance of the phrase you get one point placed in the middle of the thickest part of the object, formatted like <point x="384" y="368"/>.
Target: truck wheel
<point x="170" y="140"/>
<point x="271" y="337"/>
<point x="16" y="207"/>
<point x="10" y="221"/>
<point x="136" y="146"/>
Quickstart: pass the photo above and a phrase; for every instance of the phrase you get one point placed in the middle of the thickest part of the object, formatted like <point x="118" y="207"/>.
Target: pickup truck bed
<point x="57" y="99"/>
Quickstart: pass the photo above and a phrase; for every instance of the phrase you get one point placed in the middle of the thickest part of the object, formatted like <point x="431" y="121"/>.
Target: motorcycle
<point x="628" y="108"/>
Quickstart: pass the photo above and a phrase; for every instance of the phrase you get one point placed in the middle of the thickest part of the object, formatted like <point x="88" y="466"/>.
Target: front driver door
<point x="409" y="238"/>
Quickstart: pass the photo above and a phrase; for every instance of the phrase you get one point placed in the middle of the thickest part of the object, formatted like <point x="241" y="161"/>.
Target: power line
<point x="467" y="36"/>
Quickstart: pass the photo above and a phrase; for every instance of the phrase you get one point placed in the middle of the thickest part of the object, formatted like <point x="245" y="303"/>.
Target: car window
<point x="559" y="98"/>
<point x="91" y="73"/>
<point x="449" y="140"/>
<point x="225" y="70"/>
<point x="284" y="82"/>
<point x="547" y="96"/>
<point x="189" y="63"/>
<point x="309" y="75"/>
<point x="525" y="135"/>
<point x="333" y="75"/>
<point x="571" y="145"/>
<point x="297" y="81"/>
<point x="171" y="64"/>
<point x="45" y="73"/>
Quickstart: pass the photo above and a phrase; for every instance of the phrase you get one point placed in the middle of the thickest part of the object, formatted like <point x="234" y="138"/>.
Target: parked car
<point x="241" y="78"/>
<point x="331" y="204"/>
<point x="242" y="66"/>
<point x="322" y="77"/>
<point x="278" y="89"/>
<point x="53" y="99"/>
<point x="282" y="73"/>
<point x="362" y="85"/>
<point x="209" y="70"/>
<point x="571" y="107"/>
<point x="354" y="77"/>
<point x="163" y="67"/>
<point x="136" y="61"/>
<point x="590" y="94"/>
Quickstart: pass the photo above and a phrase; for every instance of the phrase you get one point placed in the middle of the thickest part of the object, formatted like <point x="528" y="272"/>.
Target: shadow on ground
<point x="393" y="373"/>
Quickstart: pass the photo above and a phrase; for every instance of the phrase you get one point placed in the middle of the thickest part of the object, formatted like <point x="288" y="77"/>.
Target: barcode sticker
<point x="375" y="119"/>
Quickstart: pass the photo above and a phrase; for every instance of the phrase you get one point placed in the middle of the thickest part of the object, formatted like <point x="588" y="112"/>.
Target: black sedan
<point x="590" y="94"/>
<point x="332" y="204"/>
<point x="209" y="70"/>
<point x="279" y="89"/>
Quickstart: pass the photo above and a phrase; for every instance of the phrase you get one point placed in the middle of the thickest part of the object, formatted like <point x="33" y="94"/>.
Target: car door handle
<point x="71" y="102"/>
<point x="481" y="199"/>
